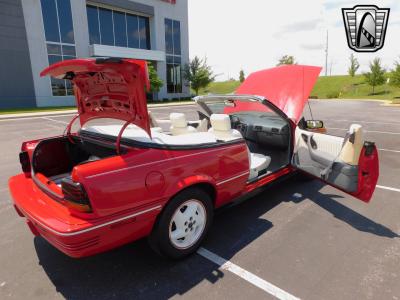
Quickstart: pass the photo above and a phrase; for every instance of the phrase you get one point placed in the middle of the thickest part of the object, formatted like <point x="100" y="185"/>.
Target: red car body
<point x="129" y="191"/>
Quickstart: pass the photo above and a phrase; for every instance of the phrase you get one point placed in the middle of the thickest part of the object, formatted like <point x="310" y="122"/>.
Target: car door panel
<point x="350" y="165"/>
<point x="316" y="155"/>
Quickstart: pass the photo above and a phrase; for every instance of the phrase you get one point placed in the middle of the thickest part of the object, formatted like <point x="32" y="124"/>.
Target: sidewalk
<point x="73" y="111"/>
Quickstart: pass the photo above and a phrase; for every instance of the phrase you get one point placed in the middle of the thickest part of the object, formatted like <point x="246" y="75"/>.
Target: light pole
<point x="326" y="55"/>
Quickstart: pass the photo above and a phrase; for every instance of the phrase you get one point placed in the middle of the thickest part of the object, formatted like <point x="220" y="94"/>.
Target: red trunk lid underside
<point x="107" y="88"/>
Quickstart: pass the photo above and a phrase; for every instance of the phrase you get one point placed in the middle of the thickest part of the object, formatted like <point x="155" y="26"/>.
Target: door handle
<point x="313" y="143"/>
<point x="304" y="137"/>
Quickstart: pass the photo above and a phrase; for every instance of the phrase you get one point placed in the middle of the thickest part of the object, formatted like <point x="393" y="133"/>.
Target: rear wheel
<point x="183" y="224"/>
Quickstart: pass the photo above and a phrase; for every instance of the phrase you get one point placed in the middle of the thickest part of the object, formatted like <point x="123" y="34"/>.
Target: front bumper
<point x="74" y="236"/>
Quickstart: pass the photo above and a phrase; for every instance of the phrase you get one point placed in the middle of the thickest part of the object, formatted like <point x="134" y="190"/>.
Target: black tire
<point x="160" y="240"/>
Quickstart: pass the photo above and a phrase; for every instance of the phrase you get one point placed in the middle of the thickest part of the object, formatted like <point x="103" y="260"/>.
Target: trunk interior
<point x="55" y="158"/>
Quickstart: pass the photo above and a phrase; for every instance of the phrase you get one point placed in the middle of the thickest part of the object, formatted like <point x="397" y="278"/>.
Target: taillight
<point x="75" y="195"/>
<point x="25" y="162"/>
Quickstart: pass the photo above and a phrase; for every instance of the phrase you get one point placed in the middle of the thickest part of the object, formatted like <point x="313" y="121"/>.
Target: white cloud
<point x="253" y="34"/>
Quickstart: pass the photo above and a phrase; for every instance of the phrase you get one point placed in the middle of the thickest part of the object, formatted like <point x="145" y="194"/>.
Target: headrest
<point x="178" y="120"/>
<point x="357" y="132"/>
<point x="220" y="122"/>
<point x="355" y="128"/>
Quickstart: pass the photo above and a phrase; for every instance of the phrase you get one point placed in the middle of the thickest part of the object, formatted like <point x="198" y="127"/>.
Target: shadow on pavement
<point x="134" y="271"/>
<point x="344" y="213"/>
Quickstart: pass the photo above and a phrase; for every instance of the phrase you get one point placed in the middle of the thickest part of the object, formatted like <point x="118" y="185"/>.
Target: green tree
<point x="155" y="82"/>
<point x="241" y="76"/>
<point x="198" y="74"/>
<point x="354" y="65"/>
<point x="286" y="60"/>
<point x="395" y="77"/>
<point x="376" y="75"/>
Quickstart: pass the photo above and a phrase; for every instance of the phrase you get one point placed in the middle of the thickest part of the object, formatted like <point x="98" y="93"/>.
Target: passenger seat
<point x="179" y="124"/>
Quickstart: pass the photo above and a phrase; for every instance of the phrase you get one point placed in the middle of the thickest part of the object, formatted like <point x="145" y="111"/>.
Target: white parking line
<point x="57" y="121"/>
<point x="373" y="131"/>
<point x="34" y="118"/>
<point x="388" y="188"/>
<point x="369" y="122"/>
<point x="246" y="275"/>
<point x="388" y="150"/>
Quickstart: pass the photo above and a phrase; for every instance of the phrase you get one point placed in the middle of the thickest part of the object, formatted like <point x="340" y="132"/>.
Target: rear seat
<point x="179" y="125"/>
<point x="135" y="133"/>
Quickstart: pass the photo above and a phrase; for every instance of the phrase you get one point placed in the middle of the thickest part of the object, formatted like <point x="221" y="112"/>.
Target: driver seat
<point x="258" y="163"/>
<point x="222" y="130"/>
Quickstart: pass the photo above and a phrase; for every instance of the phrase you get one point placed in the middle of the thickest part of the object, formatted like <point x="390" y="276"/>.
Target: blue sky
<point x="253" y="34"/>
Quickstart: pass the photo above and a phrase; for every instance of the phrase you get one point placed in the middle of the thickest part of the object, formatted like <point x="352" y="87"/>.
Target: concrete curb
<point x="73" y="111"/>
<point x="346" y="99"/>
<point x="383" y="102"/>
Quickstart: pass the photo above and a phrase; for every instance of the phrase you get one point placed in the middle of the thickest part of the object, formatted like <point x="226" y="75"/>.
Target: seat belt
<point x="325" y="172"/>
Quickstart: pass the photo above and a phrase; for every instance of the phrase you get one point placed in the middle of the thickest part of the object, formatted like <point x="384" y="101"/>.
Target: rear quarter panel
<point x="145" y="177"/>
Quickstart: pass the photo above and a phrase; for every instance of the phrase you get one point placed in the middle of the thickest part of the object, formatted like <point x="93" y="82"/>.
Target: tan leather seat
<point x="258" y="163"/>
<point x="153" y="120"/>
<point x="351" y="149"/>
<point x="222" y="130"/>
<point x="154" y="123"/>
<point x="203" y="125"/>
<point x="179" y="124"/>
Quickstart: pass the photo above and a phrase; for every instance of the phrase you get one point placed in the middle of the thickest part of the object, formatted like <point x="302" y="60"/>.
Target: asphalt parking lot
<point x="296" y="239"/>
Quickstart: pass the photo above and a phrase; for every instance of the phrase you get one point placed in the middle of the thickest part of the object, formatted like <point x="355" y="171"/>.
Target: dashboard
<point x="265" y="129"/>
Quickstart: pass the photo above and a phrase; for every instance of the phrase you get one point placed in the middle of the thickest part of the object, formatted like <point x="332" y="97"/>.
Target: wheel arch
<point x="204" y="182"/>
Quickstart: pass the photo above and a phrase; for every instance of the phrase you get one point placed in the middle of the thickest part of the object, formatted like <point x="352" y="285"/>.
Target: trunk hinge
<point x="118" y="142"/>
<point x="67" y="131"/>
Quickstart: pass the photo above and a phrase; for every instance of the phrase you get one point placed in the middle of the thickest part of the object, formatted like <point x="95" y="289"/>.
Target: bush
<point x="313" y="97"/>
<point x="333" y="95"/>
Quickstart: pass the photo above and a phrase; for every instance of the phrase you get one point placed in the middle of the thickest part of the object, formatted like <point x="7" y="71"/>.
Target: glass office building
<point x="43" y="32"/>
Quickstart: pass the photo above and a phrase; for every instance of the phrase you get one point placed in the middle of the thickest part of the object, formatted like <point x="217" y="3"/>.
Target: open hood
<point x="107" y="88"/>
<point x="287" y="87"/>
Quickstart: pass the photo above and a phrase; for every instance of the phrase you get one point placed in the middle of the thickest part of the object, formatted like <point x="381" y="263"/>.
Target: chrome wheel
<point x="187" y="224"/>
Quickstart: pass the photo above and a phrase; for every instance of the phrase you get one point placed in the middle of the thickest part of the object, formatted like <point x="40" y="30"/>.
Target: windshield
<point x="227" y="104"/>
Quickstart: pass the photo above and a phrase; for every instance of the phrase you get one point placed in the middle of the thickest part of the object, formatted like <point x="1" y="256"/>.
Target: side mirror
<point x="314" y="124"/>
<point x="230" y="103"/>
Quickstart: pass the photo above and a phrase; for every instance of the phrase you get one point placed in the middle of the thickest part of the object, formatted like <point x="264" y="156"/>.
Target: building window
<point x="117" y="28"/>
<point x="60" y="42"/>
<point x="173" y="56"/>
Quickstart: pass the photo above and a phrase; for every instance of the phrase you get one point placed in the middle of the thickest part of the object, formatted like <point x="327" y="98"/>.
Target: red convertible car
<point x="109" y="184"/>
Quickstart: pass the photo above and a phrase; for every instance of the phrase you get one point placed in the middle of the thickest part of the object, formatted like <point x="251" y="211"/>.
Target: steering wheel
<point x="235" y="121"/>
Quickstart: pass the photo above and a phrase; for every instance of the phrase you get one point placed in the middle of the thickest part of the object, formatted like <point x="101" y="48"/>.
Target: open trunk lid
<point x="287" y="87"/>
<point x="107" y="88"/>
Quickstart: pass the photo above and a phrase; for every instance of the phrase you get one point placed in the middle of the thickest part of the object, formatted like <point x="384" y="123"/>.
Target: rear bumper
<point x="74" y="236"/>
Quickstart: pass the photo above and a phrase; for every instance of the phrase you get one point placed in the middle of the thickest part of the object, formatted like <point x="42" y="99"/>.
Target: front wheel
<point x="183" y="224"/>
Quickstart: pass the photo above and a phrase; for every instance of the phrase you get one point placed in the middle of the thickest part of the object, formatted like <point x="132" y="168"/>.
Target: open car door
<point x="349" y="164"/>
